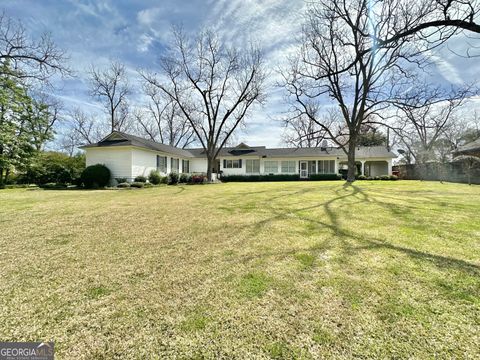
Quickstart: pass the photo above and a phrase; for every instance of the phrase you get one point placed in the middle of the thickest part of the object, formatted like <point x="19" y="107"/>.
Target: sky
<point x="137" y="32"/>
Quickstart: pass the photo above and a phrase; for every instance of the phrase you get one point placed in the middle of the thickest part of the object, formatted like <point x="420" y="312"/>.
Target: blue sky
<point x="135" y="33"/>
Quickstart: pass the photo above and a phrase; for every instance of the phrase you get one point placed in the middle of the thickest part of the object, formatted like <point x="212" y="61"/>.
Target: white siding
<point x="117" y="160"/>
<point x="198" y="165"/>
<point x="143" y="162"/>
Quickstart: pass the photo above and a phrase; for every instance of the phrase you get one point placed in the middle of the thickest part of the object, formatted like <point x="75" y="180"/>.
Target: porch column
<point x="363" y="167"/>
<point x="390" y="164"/>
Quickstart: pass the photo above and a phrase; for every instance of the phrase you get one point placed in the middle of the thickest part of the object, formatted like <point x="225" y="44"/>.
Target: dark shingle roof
<point x="471" y="147"/>
<point x="123" y="139"/>
<point x="132" y="140"/>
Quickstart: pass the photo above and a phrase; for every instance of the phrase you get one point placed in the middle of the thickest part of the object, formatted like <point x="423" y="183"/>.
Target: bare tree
<point x="427" y="23"/>
<point x="425" y="116"/>
<point x="301" y="131"/>
<point x="336" y="34"/>
<point x="84" y="129"/>
<point x="213" y="85"/>
<point x="111" y="87"/>
<point x="163" y="120"/>
<point x="31" y="59"/>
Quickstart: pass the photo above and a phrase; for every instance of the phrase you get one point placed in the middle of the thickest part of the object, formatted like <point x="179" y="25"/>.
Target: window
<point x="185" y="166"/>
<point x="288" y="166"/>
<point x="271" y="167"/>
<point x="232" y="164"/>
<point x="326" y="166"/>
<point x="253" y="166"/>
<point x="162" y="164"/>
<point x="174" y="165"/>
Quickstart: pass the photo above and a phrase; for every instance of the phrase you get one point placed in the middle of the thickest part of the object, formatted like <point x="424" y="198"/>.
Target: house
<point x="128" y="156"/>
<point x="471" y="148"/>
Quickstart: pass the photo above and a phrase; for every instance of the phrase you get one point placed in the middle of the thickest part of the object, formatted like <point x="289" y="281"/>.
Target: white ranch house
<point x="128" y="156"/>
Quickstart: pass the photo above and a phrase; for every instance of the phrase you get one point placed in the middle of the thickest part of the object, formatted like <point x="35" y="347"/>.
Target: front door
<point x="303" y="169"/>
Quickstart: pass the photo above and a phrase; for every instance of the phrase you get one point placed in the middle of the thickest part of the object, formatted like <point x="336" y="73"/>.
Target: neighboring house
<point x="128" y="156"/>
<point x="472" y="148"/>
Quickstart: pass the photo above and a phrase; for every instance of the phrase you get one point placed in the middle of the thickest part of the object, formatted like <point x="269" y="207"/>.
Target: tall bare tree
<point x="428" y="23"/>
<point x="336" y="34"/>
<point x="213" y="85"/>
<point x="163" y="120"/>
<point x="31" y="59"/>
<point x="110" y="86"/>
<point x="425" y="116"/>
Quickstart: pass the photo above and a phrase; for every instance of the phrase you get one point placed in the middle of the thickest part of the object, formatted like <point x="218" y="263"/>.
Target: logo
<point x="26" y="351"/>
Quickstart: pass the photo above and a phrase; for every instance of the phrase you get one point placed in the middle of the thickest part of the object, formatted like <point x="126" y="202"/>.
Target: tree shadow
<point x="333" y="224"/>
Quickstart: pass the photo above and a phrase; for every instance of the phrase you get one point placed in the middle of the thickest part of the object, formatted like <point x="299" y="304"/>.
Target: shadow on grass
<point x="332" y="223"/>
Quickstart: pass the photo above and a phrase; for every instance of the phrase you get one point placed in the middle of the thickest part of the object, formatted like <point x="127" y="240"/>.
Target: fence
<point x="453" y="172"/>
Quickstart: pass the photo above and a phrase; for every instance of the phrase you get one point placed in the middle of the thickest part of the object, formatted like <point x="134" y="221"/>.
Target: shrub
<point x="393" y="177"/>
<point x="155" y="178"/>
<point x="248" y="178"/>
<point x="173" y="178"/>
<point x="198" y="179"/>
<point x="121" y="180"/>
<point x="123" y="185"/>
<point x="52" y="167"/>
<point x="140" y="178"/>
<point x="137" y="184"/>
<point x="361" y="177"/>
<point x="164" y="180"/>
<point x="95" y="176"/>
<point x="320" y="177"/>
<point x="184" y="178"/>
<point x="385" y="177"/>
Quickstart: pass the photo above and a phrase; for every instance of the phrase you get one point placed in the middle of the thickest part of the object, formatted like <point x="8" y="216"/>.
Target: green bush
<point x="184" y="178"/>
<point x="52" y="167"/>
<point x="173" y="178"/>
<point x="393" y="177"/>
<point x="123" y="185"/>
<point x="164" y="180"/>
<point x="361" y="177"/>
<point x="137" y="184"/>
<point x="320" y="177"/>
<point x="95" y="176"/>
<point x="155" y="178"/>
<point x="140" y="178"/>
<point x="249" y="178"/>
<point x="121" y="180"/>
<point x="385" y="177"/>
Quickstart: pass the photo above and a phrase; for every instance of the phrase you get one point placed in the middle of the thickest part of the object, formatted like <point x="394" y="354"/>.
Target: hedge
<point x="241" y="178"/>
<point x="320" y="177"/>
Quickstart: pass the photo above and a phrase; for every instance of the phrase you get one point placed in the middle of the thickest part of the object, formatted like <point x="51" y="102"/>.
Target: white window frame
<point x="252" y="166"/>
<point x="326" y="167"/>
<point x="176" y="168"/>
<point x="290" y="165"/>
<point x="270" y="166"/>
<point x="162" y="163"/>
<point x="232" y="164"/>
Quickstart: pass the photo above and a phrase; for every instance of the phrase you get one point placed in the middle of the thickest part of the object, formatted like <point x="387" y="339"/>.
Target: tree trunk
<point x="1" y="177"/>
<point x="209" y="168"/>
<point x="352" y="167"/>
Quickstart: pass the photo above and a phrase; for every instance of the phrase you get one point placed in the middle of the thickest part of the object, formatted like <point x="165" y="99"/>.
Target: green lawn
<point x="244" y="270"/>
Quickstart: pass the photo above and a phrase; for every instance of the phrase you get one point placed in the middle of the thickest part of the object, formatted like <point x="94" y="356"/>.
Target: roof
<point x="471" y="147"/>
<point x="118" y="138"/>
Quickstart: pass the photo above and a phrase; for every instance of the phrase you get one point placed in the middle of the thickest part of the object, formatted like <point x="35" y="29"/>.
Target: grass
<point x="244" y="270"/>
